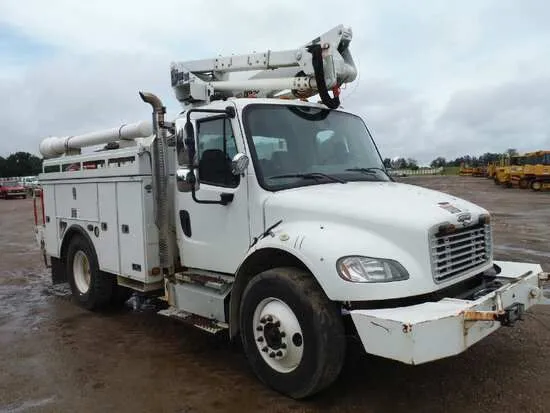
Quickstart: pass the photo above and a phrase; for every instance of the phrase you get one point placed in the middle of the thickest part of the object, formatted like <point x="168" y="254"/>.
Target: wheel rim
<point x="536" y="186"/>
<point x="81" y="272"/>
<point x="278" y="335"/>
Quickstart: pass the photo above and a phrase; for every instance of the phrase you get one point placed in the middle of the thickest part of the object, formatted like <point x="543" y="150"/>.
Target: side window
<point x="215" y="153"/>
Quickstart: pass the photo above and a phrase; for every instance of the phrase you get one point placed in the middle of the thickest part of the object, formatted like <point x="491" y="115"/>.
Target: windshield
<point x="292" y="144"/>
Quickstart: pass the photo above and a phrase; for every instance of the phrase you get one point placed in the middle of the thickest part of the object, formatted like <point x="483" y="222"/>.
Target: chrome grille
<point x="460" y="251"/>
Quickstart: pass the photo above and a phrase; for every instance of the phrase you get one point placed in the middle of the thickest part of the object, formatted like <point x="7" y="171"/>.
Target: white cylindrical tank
<point x="55" y="146"/>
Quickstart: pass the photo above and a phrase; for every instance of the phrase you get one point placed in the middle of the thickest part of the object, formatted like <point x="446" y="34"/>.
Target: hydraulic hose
<point x="319" y="70"/>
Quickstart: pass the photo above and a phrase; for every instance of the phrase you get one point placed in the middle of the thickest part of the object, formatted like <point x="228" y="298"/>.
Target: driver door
<point x="214" y="237"/>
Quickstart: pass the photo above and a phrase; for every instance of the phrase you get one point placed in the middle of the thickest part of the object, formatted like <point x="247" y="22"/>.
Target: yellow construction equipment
<point x="491" y="169"/>
<point x="468" y="170"/>
<point x="522" y="176"/>
<point x="465" y="169"/>
<point x="517" y="171"/>
<point x="502" y="172"/>
<point x="479" y="171"/>
<point x="541" y="171"/>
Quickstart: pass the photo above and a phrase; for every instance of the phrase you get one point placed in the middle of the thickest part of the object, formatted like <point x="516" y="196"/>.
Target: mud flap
<point x="59" y="275"/>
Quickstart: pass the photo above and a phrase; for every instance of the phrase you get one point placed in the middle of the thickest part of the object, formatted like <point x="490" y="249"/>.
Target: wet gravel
<point x="56" y="357"/>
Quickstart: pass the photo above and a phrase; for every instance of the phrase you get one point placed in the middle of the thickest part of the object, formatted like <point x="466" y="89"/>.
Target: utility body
<point x="271" y="217"/>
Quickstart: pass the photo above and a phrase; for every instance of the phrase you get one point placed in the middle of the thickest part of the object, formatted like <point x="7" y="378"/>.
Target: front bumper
<point x="433" y="330"/>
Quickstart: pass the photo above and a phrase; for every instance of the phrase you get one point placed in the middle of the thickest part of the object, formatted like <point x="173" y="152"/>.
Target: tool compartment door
<point x="130" y="230"/>
<point x="77" y="201"/>
<point x="51" y="238"/>
<point x="107" y="242"/>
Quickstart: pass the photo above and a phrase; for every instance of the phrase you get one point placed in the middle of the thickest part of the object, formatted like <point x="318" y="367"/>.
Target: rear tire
<point x="292" y="334"/>
<point x="536" y="186"/>
<point x="524" y="183"/>
<point x="91" y="288"/>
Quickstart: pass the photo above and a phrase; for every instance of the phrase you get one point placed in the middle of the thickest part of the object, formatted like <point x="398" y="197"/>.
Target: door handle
<point x="226" y="198"/>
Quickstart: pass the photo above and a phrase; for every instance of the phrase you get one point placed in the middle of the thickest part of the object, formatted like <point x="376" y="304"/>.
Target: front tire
<point x="292" y="334"/>
<point x="91" y="288"/>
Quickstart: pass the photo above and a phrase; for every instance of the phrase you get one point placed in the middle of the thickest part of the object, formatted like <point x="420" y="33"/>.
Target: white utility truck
<point x="308" y="242"/>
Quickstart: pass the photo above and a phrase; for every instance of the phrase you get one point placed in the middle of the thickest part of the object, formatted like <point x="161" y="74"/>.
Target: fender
<point x="59" y="274"/>
<point x="261" y="257"/>
<point x="72" y="230"/>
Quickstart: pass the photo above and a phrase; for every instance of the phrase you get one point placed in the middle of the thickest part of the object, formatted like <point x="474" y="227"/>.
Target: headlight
<point x="370" y="270"/>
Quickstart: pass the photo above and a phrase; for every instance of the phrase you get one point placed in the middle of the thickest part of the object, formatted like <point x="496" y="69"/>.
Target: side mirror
<point x="190" y="139"/>
<point x="239" y="163"/>
<point x="186" y="180"/>
<point x="180" y="148"/>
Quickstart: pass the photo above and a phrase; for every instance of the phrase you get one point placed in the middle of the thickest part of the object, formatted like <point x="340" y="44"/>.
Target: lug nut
<point x="283" y="345"/>
<point x="263" y="320"/>
<point x="269" y="318"/>
<point x="282" y="334"/>
<point x="259" y="328"/>
<point x="264" y="349"/>
<point x="260" y="339"/>
<point x="277" y="323"/>
<point x="279" y="353"/>
<point x="272" y="354"/>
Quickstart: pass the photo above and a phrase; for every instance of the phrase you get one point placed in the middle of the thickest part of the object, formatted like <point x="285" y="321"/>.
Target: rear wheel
<point x="91" y="288"/>
<point x="536" y="185"/>
<point x="292" y="334"/>
<point x="524" y="183"/>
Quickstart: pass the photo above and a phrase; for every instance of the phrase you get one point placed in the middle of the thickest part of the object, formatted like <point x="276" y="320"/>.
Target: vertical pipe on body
<point x="160" y="176"/>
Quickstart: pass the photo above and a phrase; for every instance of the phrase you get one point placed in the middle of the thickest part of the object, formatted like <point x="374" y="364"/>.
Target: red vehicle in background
<point x="12" y="189"/>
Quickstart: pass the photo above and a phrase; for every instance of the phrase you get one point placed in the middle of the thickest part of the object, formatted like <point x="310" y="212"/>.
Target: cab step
<point x="205" y="324"/>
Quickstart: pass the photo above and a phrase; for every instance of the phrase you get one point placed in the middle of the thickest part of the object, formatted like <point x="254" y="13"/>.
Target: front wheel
<point x="292" y="334"/>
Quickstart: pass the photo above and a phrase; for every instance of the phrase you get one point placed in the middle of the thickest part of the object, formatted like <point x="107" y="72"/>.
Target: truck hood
<point x="370" y="204"/>
<point x="387" y="220"/>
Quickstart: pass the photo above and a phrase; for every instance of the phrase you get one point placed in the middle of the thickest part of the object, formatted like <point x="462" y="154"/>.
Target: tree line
<point x="26" y="164"/>
<point x="440" y="161"/>
<point x="20" y="164"/>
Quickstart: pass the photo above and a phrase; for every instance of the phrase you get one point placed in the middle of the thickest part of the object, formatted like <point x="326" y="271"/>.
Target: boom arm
<point x="322" y="64"/>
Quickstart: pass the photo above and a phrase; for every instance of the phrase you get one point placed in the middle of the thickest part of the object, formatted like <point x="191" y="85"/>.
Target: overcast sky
<point x="436" y="77"/>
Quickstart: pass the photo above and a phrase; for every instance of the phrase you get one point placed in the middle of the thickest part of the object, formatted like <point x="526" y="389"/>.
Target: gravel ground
<point x="56" y="357"/>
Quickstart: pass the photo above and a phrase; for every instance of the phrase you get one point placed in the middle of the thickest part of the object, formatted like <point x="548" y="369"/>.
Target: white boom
<point x="323" y="64"/>
<point x="55" y="146"/>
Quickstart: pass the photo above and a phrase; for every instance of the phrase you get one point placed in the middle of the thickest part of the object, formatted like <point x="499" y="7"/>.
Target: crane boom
<point x="322" y="64"/>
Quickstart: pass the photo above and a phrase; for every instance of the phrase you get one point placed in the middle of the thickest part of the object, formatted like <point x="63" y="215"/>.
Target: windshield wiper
<point x="371" y="171"/>
<point x="310" y="175"/>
